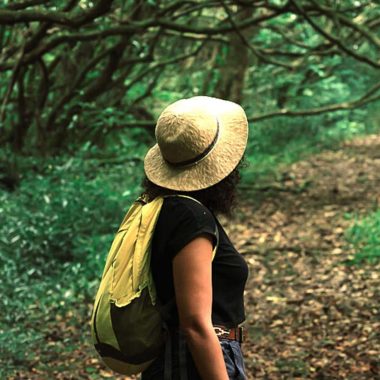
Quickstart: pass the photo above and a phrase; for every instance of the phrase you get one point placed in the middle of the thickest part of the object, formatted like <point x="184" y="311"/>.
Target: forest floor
<point x="309" y="315"/>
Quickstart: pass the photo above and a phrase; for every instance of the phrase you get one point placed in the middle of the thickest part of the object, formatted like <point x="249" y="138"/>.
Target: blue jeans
<point x="176" y="362"/>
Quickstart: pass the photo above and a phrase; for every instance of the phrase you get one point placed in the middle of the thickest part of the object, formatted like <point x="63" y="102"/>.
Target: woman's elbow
<point x="196" y="328"/>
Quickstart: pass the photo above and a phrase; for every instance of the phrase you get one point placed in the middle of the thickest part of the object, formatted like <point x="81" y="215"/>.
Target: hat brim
<point x="217" y="165"/>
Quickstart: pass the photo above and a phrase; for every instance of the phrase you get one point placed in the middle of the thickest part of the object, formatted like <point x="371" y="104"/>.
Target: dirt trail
<point x="310" y="316"/>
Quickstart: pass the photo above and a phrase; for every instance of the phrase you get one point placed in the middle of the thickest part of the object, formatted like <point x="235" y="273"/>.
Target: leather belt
<point x="235" y="333"/>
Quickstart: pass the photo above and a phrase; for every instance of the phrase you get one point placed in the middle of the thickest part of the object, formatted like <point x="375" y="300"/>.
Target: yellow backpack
<point x="127" y="326"/>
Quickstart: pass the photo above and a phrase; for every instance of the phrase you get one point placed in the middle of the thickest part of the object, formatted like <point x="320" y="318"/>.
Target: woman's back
<point x="180" y="221"/>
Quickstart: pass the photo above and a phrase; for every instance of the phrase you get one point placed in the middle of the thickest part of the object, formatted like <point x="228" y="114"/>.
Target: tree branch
<point x="43" y="88"/>
<point x="221" y="29"/>
<point x="9" y="17"/>
<point x="11" y="84"/>
<point x="363" y="100"/>
<point x="134" y="27"/>
<point x="150" y="87"/>
<point x="102" y="81"/>
<point x="77" y="82"/>
<point x="149" y="124"/>
<point x="43" y="28"/>
<point x="196" y="37"/>
<point x="103" y="6"/>
<point x="25" y="4"/>
<point x="195" y="8"/>
<point x="166" y="62"/>
<point x="342" y="45"/>
<point x="68" y="38"/>
<point x="259" y="54"/>
<point x="346" y="21"/>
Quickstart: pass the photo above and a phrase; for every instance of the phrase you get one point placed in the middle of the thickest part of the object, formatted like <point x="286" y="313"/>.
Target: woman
<point x="200" y="143"/>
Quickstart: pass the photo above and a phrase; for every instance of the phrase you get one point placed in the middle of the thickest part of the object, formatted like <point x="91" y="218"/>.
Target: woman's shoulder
<point x="179" y="204"/>
<point x="184" y="219"/>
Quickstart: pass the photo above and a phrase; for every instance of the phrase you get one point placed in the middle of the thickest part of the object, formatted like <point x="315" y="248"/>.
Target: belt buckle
<point x="219" y="331"/>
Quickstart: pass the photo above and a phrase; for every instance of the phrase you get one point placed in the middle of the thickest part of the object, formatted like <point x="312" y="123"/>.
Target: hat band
<point x="201" y="156"/>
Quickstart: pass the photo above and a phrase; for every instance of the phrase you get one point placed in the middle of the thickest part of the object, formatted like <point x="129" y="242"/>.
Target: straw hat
<point x="200" y="141"/>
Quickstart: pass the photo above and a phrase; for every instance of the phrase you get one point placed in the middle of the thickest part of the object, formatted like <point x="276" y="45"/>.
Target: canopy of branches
<point x="74" y="71"/>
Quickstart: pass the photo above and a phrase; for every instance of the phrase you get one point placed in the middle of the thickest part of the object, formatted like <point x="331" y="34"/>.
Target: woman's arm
<point x="193" y="289"/>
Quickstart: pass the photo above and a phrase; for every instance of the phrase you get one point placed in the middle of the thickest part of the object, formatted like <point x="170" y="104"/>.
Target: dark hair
<point x="219" y="198"/>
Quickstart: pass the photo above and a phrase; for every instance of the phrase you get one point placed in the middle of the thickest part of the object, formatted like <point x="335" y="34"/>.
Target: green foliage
<point x="364" y="235"/>
<point x="274" y="143"/>
<point x="49" y="212"/>
<point x="55" y="233"/>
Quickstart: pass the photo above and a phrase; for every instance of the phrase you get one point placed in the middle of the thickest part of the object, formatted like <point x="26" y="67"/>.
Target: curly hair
<point x="219" y="198"/>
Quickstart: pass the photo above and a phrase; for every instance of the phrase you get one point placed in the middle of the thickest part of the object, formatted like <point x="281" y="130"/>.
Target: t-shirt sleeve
<point x="190" y="220"/>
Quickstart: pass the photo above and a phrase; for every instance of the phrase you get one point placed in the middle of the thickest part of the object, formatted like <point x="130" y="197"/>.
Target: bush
<point x="56" y="230"/>
<point x="365" y="237"/>
<point x="50" y="214"/>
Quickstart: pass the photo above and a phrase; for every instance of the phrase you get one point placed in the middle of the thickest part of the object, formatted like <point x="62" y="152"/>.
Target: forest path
<point x="309" y="315"/>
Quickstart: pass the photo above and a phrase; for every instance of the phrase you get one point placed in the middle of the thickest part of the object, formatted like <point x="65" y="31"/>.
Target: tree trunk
<point x="232" y="74"/>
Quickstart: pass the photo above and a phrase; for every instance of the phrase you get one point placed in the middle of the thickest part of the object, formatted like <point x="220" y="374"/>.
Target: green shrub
<point x="49" y="214"/>
<point x="55" y="232"/>
<point x="364" y="235"/>
<point x="279" y="141"/>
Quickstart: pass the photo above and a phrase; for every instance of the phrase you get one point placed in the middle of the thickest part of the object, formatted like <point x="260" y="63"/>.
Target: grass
<point x="364" y="235"/>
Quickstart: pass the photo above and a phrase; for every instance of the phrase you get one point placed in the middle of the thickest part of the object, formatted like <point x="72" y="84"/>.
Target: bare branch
<point x="195" y="8"/>
<point x="374" y="23"/>
<point x="68" y="38"/>
<point x="43" y="29"/>
<point x="171" y="8"/>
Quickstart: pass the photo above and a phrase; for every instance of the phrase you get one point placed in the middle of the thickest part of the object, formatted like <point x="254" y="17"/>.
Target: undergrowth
<point x="56" y="229"/>
<point x="364" y="235"/>
<point x="276" y="143"/>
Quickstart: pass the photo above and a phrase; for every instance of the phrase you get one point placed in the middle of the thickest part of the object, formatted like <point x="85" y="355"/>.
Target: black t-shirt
<point x="180" y="221"/>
